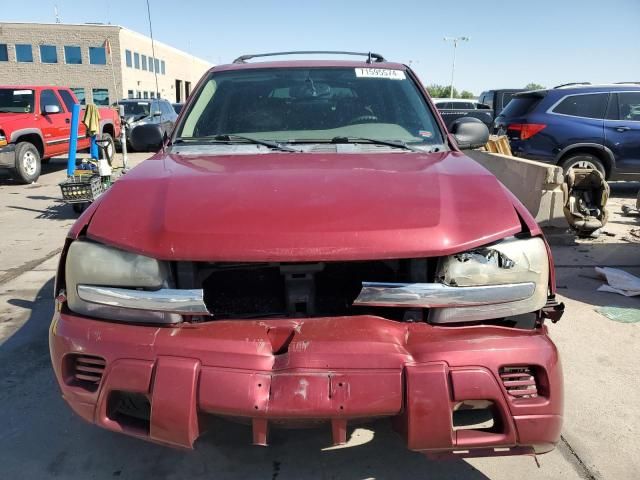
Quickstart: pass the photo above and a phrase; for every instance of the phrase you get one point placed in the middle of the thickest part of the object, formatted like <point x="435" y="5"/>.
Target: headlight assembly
<point x="510" y="262"/>
<point x="502" y="280"/>
<point x="93" y="266"/>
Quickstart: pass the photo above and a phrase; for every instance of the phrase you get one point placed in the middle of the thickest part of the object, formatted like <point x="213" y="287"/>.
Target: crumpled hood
<point x="304" y="207"/>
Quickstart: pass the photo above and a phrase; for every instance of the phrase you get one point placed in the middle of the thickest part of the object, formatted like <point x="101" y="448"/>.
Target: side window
<point x="48" y="97"/>
<point x="586" y="105"/>
<point x="488" y="99"/>
<point x="629" y="106"/>
<point x="67" y="99"/>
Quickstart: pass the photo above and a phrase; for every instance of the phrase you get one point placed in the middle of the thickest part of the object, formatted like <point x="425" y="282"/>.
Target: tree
<point x="440" y="91"/>
<point x="466" y="94"/>
<point x="533" y="86"/>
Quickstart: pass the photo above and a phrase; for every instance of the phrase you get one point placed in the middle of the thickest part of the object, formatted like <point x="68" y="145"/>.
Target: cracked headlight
<point x="511" y="261"/>
<point x="89" y="263"/>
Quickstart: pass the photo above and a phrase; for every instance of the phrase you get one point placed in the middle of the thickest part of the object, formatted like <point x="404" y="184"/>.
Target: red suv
<point x="311" y="247"/>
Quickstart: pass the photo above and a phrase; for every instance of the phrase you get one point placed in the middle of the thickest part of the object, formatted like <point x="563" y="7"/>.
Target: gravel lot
<point x="41" y="438"/>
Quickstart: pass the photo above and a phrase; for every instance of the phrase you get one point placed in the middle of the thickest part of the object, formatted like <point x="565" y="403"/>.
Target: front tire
<point x="28" y="163"/>
<point x="583" y="160"/>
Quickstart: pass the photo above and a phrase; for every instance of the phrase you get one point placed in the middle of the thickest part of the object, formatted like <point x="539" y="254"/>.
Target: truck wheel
<point x="27" y="163"/>
<point x="110" y="146"/>
<point x="583" y="160"/>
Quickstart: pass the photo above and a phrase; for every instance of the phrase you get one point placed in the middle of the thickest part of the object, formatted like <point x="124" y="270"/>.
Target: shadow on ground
<point x="41" y="438"/>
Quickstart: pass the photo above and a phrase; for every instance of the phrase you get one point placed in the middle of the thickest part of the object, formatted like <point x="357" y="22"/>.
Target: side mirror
<point x="483" y="106"/>
<point x="469" y="133"/>
<point x="157" y="113"/>
<point x="49" y="109"/>
<point x="146" y="137"/>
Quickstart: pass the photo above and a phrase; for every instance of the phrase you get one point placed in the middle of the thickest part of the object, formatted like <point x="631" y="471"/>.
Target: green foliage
<point x="443" y="91"/>
<point x="533" y="86"/>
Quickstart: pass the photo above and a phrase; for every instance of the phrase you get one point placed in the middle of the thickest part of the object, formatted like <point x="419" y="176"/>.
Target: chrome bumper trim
<point x="428" y="295"/>
<point x="185" y="302"/>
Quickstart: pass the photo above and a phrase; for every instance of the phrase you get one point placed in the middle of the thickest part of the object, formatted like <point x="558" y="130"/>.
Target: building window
<point x="97" y="56"/>
<point x="162" y="67"/>
<point x="127" y="56"/>
<point x="100" y="96"/>
<point x="48" y="54"/>
<point x="151" y="64"/>
<point x="157" y="64"/>
<point x="136" y="60"/>
<point x="72" y="55"/>
<point x="129" y="93"/>
<point x="152" y="94"/>
<point x="79" y="93"/>
<point x="138" y="94"/>
<point x="144" y="62"/>
<point x="145" y="94"/>
<point x="4" y="54"/>
<point x="24" y="53"/>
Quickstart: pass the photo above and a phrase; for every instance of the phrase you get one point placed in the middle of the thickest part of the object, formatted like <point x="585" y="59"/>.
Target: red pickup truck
<point x="35" y="125"/>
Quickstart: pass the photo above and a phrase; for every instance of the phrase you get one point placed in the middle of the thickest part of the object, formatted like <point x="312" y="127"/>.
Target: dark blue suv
<point x="583" y="125"/>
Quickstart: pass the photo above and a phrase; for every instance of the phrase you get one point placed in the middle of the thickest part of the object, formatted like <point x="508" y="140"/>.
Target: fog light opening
<point x="475" y="415"/>
<point x="132" y="411"/>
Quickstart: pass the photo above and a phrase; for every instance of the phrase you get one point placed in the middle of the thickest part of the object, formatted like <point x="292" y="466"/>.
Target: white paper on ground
<point x="619" y="281"/>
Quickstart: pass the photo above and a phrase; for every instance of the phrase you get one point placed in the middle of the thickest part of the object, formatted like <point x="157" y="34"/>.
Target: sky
<point x="511" y="43"/>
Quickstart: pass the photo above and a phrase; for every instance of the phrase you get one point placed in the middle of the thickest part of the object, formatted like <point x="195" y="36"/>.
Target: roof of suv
<point x="585" y="88"/>
<point x="308" y="64"/>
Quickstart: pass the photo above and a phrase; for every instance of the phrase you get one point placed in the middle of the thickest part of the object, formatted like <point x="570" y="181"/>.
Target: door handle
<point x="66" y="120"/>
<point x="622" y="128"/>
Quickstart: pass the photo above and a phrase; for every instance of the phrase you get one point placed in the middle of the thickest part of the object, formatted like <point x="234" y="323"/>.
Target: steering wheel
<point x="363" y="119"/>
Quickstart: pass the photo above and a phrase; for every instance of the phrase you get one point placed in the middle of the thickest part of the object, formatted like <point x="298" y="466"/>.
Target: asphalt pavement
<point x="41" y="438"/>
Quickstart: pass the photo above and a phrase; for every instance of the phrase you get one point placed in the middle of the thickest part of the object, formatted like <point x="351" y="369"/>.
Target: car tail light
<point x="520" y="382"/>
<point x="527" y="130"/>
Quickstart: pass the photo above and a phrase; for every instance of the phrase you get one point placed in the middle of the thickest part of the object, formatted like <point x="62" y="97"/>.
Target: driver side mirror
<point x="146" y="137"/>
<point x="49" y="109"/>
<point x="470" y="133"/>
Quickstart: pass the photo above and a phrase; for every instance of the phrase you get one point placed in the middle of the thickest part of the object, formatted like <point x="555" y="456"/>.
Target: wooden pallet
<point x="498" y="144"/>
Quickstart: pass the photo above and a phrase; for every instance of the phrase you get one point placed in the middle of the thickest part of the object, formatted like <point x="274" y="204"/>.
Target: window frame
<point x="551" y="109"/>
<point x="66" y="55"/>
<point x="18" y="55"/>
<point x="96" y="49"/>
<point x="128" y="59"/>
<point x="5" y="57"/>
<point x="55" y="52"/>
<point x="144" y="62"/>
<point x="82" y="100"/>
<point x="618" y="104"/>
<point x="162" y="67"/>
<point x="136" y="60"/>
<point x="93" y="96"/>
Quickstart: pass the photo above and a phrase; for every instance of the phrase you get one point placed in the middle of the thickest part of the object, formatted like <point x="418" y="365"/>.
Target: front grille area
<point x="85" y="371"/>
<point x="262" y="290"/>
<point x="520" y="382"/>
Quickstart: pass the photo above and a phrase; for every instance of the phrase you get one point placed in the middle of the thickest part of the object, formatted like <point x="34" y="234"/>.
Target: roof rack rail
<point x="371" y="57"/>
<point x="571" y="84"/>
<point x="626" y="83"/>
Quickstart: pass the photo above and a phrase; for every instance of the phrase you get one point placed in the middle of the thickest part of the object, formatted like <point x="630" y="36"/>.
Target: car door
<point x="622" y="131"/>
<point x="69" y="101"/>
<point x="55" y="125"/>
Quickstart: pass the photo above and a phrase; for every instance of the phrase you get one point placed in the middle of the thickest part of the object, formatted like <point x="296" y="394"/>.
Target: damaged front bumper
<point x="319" y="370"/>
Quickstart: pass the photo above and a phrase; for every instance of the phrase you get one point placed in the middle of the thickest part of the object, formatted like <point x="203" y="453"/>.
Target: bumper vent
<point x="520" y="382"/>
<point x="86" y="371"/>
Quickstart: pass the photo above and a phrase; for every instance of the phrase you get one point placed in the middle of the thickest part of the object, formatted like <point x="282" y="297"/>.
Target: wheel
<point x="110" y="146"/>
<point x="78" y="207"/>
<point x="583" y="160"/>
<point x="27" y="168"/>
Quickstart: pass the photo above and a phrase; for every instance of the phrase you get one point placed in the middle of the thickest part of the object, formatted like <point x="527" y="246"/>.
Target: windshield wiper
<point x="230" y="137"/>
<point x="389" y="143"/>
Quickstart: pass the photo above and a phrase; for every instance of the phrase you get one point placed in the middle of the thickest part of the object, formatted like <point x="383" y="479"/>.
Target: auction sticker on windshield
<point x="380" y="73"/>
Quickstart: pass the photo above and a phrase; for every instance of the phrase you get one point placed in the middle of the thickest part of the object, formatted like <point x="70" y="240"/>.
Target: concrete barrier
<point x="537" y="185"/>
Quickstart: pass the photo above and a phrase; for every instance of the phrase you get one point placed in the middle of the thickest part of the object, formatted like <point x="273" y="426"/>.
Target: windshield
<point x="311" y="105"/>
<point x="13" y="100"/>
<point x="137" y="108"/>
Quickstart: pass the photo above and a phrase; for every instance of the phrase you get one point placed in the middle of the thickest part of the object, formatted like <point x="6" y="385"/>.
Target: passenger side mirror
<point x="157" y="113"/>
<point x="49" y="109"/>
<point x="146" y="137"/>
<point x="469" y="133"/>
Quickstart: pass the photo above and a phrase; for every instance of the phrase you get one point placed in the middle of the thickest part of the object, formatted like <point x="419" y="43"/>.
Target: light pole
<point x="455" y="41"/>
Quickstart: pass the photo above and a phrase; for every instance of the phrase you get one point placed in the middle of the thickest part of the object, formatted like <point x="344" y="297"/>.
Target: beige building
<point x="101" y="63"/>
